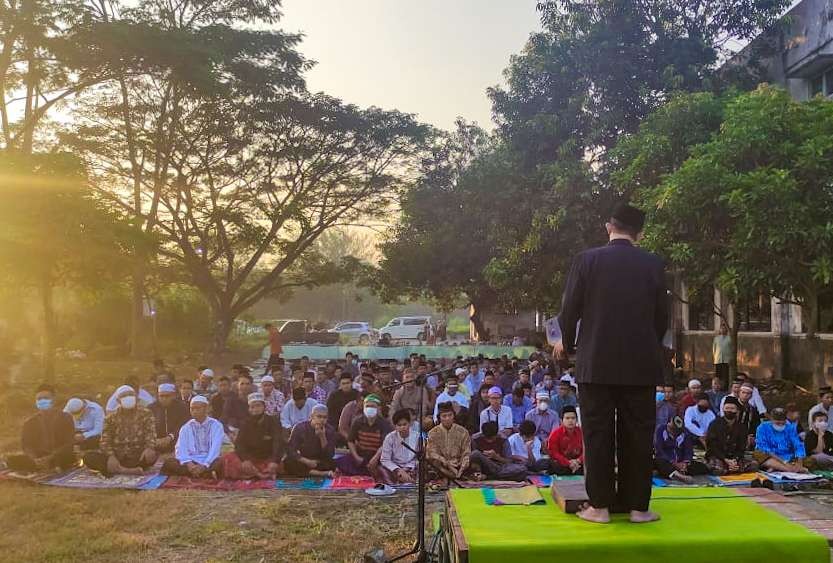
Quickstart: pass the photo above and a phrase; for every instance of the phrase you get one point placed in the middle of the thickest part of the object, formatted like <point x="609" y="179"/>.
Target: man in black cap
<point x="618" y="293"/>
<point x="726" y="442"/>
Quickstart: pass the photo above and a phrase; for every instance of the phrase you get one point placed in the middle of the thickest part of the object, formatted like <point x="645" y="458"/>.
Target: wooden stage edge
<point x="791" y="508"/>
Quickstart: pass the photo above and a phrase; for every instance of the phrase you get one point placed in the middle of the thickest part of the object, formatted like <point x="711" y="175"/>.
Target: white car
<point x="356" y="332"/>
<point x="405" y="328"/>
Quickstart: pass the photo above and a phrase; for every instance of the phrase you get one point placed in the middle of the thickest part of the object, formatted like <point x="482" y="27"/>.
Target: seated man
<point x="542" y="416"/>
<point x="818" y="443"/>
<point x="777" y="445"/>
<point x="698" y="417"/>
<point x="258" y="449"/>
<point x="205" y="384"/>
<point x="666" y="409"/>
<point x="490" y="457"/>
<point x="398" y="463"/>
<point x="448" y="450"/>
<point x="367" y="433"/>
<point x="143" y="398"/>
<point x="275" y="399"/>
<point x="128" y="440"/>
<point x="298" y="410"/>
<point x="726" y="442"/>
<point x="88" y="418"/>
<point x="169" y="414"/>
<point x="498" y="412"/>
<point x="236" y="405"/>
<point x="525" y="448"/>
<point x="313" y="390"/>
<point x="566" y="444"/>
<point x="312" y="445"/>
<point x="674" y="453"/>
<point x="452" y="395"/>
<point x="825" y="405"/>
<point x="197" y="451"/>
<point x="218" y="400"/>
<point x="519" y="404"/>
<point x="689" y="397"/>
<point x="47" y="437"/>
<point x="339" y="398"/>
<point x="563" y="396"/>
<point x="186" y="392"/>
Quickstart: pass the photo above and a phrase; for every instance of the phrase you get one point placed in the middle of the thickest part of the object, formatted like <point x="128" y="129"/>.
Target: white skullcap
<point x="694" y="382"/>
<point x="199" y="399"/>
<point x="320" y="409"/>
<point x="255" y="397"/>
<point x="74" y="406"/>
<point x="166" y="388"/>
<point x="124" y="390"/>
<point x="542" y="395"/>
<point x="459" y="372"/>
<point x="208" y="372"/>
<point x="566" y="378"/>
<point x="267" y="379"/>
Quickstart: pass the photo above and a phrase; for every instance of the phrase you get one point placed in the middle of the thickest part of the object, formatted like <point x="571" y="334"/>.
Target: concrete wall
<point x="764" y="356"/>
<point x="502" y="326"/>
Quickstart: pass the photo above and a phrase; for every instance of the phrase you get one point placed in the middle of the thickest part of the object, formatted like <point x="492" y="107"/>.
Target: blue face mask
<point x="660" y="396"/>
<point x="43" y="404"/>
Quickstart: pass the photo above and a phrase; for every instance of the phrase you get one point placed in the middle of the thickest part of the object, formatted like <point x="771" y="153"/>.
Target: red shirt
<point x="275" y="342"/>
<point x="687" y="401"/>
<point x="565" y="445"/>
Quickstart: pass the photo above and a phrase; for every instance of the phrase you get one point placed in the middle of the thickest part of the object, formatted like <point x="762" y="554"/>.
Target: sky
<point x="434" y="58"/>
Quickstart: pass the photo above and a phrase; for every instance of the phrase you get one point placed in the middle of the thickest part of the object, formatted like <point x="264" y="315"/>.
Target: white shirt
<point x="758" y="401"/>
<point x="91" y="422"/>
<point x="395" y="455"/>
<point x="200" y="443"/>
<point x="444" y="397"/>
<point x="503" y="418"/>
<point x="292" y="415"/>
<point x="517" y="447"/>
<point x="144" y="399"/>
<point x="698" y="422"/>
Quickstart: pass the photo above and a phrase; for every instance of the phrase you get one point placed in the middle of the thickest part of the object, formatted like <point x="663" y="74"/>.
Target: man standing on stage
<point x="618" y="293"/>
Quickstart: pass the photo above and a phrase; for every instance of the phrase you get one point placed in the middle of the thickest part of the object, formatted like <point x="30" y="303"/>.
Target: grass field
<point x="42" y="523"/>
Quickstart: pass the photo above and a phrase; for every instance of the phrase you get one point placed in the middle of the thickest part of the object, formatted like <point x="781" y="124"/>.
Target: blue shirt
<point x="518" y="411"/>
<point x="91" y="421"/>
<point x="474" y="382"/>
<point x="785" y="445"/>
<point x="557" y="402"/>
<point x="673" y="449"/>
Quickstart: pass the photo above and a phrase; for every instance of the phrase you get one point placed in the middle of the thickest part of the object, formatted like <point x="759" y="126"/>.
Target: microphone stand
<point x="419" y="549"/>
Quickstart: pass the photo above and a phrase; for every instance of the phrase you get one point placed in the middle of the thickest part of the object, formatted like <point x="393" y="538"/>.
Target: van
<point x="405" y="328"/>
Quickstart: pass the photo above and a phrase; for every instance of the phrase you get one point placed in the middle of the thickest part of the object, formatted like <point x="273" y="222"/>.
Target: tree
<point x="762" y="194"/>
<point x="56" y="234"/>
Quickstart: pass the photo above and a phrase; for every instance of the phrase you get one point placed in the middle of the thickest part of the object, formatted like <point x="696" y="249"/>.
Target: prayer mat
<point x="492" y="484"/>
<point x="84" y="478"/>
<point x="827" y="474"/>
<point x="699" y="481"/>
<point x="787" y="477"/>
<point x="180" y="482"/>
<point x="352" y="483"/>
<point x="731" y="523"/>
<point x="525" y="496"/>
<point x="739" y="480"/>
<point x="310" y="484"/>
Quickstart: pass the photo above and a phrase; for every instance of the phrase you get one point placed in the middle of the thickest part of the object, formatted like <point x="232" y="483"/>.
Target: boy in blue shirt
<point x="777" y="445"/>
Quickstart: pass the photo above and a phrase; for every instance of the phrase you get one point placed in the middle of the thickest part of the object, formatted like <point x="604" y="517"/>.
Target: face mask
<point x="371" y="412"/>
<point x="128" y="402"/>
<point x="543" y="407"/>
<point x="701" y="408"/>
<point x="821" y="426"/>
<point x="660" y="396"/>
<point x="730" y="415"/>
<point x="43" y="404"/>
<point x="779" y="427"/>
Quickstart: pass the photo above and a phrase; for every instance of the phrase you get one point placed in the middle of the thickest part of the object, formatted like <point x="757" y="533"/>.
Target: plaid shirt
<point x="274" y="403"/>
<point x="127" y="433"/>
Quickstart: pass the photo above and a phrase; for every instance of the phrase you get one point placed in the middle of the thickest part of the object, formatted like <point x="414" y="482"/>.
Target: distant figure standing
<point x="618" y="293"/>
<point x="275" y="345"/>
<point x="721" y="351"/>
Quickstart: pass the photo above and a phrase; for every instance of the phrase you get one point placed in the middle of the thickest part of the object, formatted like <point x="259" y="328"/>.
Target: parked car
<point x="405" y="328"/>
<point x="356" y="332"/>
<point x="302" y="331"/>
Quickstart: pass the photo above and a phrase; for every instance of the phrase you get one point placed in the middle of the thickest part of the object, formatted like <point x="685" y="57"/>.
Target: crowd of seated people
<point x="496" y="419"/>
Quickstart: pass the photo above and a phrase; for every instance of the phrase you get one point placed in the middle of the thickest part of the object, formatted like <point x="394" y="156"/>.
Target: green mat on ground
<point x="697" y="526"/>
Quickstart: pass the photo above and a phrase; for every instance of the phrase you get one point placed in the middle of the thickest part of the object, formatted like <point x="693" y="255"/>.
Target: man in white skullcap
<point x="205" y="385"/>
<point x="273" y="399"/>
<point x="169" y="413"/>
<point x="258" y="448"/>
<point x="689" y="398"/>
<point x="128" y="439"/>
<point x="89" y="422"/>
<point x="197" y="451"/>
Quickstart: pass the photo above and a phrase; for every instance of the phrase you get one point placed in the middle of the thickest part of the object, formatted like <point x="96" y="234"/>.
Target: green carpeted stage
<point x="699" y="525"/>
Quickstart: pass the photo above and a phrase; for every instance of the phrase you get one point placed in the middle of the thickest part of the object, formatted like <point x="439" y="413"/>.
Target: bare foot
<point x="595" y="515"/>
<point x="682" y="478"/>
<point x="639" y="517"/>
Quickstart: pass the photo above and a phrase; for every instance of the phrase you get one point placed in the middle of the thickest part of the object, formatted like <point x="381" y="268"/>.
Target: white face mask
<point x="543" y="406"/>
<point x="820" y="425"/>
<point x="128" y="402"/>
<point x="371" y="412"/>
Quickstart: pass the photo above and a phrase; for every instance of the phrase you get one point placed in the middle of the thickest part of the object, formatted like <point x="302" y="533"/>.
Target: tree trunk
<point x="734" y="328"/>
<point x="223" y="322"/>
<point x="477" y="321"/>
<point x="137" y="310"/>
<point x="48" y="336"/>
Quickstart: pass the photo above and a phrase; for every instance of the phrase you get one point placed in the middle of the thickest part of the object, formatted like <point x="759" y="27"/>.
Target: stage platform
<point x="699" y="525"/>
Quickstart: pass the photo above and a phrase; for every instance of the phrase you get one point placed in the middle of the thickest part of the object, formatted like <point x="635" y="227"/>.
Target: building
<point x="798" y="55"/>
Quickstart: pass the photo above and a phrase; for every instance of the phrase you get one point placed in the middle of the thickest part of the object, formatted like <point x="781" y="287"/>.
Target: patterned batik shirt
<point x="127" y="433"/>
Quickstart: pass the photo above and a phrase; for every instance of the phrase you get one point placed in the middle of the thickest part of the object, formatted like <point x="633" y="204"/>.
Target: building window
<point x="756" y="313"/>
<point x="701" y="310"/>
<point x="822" y="83"/>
